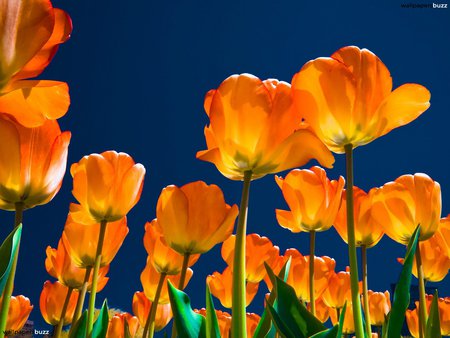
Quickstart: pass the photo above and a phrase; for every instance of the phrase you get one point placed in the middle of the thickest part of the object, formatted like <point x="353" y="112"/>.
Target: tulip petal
<point x="287" y="221"/>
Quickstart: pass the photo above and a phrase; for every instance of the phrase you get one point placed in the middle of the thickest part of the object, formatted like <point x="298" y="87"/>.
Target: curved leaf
<point x="101" y="324"/>
<point x="8" y="250"/>
<point x="79" y="328"/>
<point x="212" y="324"/>
<point x="433" y="325"/>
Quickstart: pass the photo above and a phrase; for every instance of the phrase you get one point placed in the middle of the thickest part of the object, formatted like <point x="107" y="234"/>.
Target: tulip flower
<point x="252" y="320"/>
<point x="379" y="307"/>
<point x="258" y="250"/>
<point x="444" y="230"/>
<point x="141" y="309"/>
<point x="444" y="315"/>
<point x="164" y="259"/>
<point x="322" y="310"/>
<point x="54" y="297"/>
<point x="349" y="325"/>
<point x="412" y="319"/>
<point x="221" y="287"/>
<point x="29" y="39"/>
<point x="18" y="312"/>
<point x="116" y="326"/>
<point x="107" y="185"/>
<point x="223" y="319"/>
<point x="338" y="291"/>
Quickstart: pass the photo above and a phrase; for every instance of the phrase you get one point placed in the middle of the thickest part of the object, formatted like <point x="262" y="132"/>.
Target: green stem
<point x="181" y="283"/>
<point x="7" y="292"/>
<point x="81" y="297"/>
<point x="312" y="245"/>
<point x="57" y="332"/>
<point x="422" y="299"/>
<point x="98" y="259"/>
<point x="238" y="324"/>
<point x="338" y="313"/>
<point x="149" y="328"/>
<point x="356" y="302"/>
<point x="365" y="289"/>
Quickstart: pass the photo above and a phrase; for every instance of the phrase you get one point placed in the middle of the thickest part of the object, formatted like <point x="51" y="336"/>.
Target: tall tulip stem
<point x="7" y="292"/>
<point x="98" y="259"/>
<point x="181" y="283"/>
<point x="81" y="297"/>
<point x="149" y="328"/>
<point x="238" y="324"/>
<point x="356" y="302"/>
<point x="422" y="300"/>
<point x="312" y="246"/>
<point x="365" y="290"/>
<point x="58" y="330"/>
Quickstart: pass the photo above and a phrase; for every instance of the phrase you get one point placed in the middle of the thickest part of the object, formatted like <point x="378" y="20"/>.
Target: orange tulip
<point x="107" y="185"/>
<point x="258" y="250"/>
<point x="409" y="201"/>
<point x="322" y="310"/>
<point x="141" y="309"/>
<point x="116" y="326"/>
<point x="298" y="276"/>
<point x="379" y="306"/>
<point x="435" y="261"/>
<point x="252" y="323"/>
<point x="348" y="98"/>
<point x="81" y="240"/>
<point x="444" y="230"/>
<point x="412" y="319"/>
<point x="254" y="127"/>
<point x="444" y="315"/>
<point x="164" y="259"/>
<point x="338" y="290"/>
<point x="52" y="300"/>
<point x="313" y="199"/>
<point x="29" y="38"/>
<point x="32" y="162"/>
<point x="221" y="286"/>
<point x="150" y="278"/>
<point x="18" y="313"/>
<point x="60" y="265"/>
<point x="195" y="217"/>
<point x="367" y="231"/>
<point x="224" y="320"/>
<point x="349" y="325"/>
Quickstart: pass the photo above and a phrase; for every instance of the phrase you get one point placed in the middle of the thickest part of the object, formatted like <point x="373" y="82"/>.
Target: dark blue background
<point x="138" y="72"/>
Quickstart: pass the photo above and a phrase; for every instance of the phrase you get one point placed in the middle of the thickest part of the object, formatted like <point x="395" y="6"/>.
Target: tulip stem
<point x="422" y="300"/>
<point x="356" y="302"/>
<point x="365" y="289"/>
<point x="238" y="323"/>
<point x="7" y="292"/>
<point x="149" y="329"/>
<point x="181" y="283"/>
<point x="312" y="245"/>
<point x="81" y="297"/>
<point x="98" y="259"/>
<point x="58" y="330"/>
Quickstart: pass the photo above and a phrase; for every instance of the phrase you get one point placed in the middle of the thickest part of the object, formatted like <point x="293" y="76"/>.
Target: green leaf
<point x="401" y="293"/>
<point x="79" y="328"/>
<point x="101" y="324"/>
<point x="282" y="329"/>
<point x="212" y="324"/>
<point x="189" y="324"/>
<point x="126" y="330"/>
<point x="329" y="333"/>
<point x="433" y="328"/>
<point x="7" y="252"/>
<point x="341" y="320"/>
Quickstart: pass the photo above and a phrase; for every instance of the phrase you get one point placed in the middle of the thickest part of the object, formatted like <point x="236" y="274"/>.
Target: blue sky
<point x="138" y="74"/>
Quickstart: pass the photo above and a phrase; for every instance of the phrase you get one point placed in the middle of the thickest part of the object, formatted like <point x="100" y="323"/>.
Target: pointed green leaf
<point x="7" y="252"/>
<point x="189" y="324"/>
<point x="401" y="293"/>
<point x="328" y="333"/>
<point x="283" y="329"/>
<point x="79" y="328"/>
<point x="433" y="328"/>
<point x="101" y="324"/>
<point x="212" y="324"/>
<point x="341" y="320"/>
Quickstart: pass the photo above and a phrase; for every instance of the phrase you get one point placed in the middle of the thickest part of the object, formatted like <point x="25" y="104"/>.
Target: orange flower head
<point x="367" y="231"/>
<point x="322" y="310"/>
<point x="254" y="127"/>
<point x="81" y="240"/>
<point x="107" y="185"/>
<point x="338" y="290"/>
<point x="348" y="98"/>
<point x="18" y="312"/>
<point x="221" y="286"/>
<point x="412" y="319"/>
<point x="224" y="320"/>
<point x="252" y="320"/>
<point x="257" y="251"/>
<point x="150" y="278"/>
<point x="51" y="302"/>
<point x="379" y="306"/>
<point x="116" y="326"/>
<point x="435" y="261"/>
<point x="444" y="230"/>
<point x="32" y="162"/>
<point x="409" y="201"/>
<point x="444" y="315"/>
<point x="349" y="326"/>
<point x="29" y="37"/>
<point x="313" y="199"/>
<point x="60" y="265"/>
<point x="195" y="217"/>
<point x="298" y="276"/>
<point x="141" y="309"/>
<point x="164" y="259"/>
